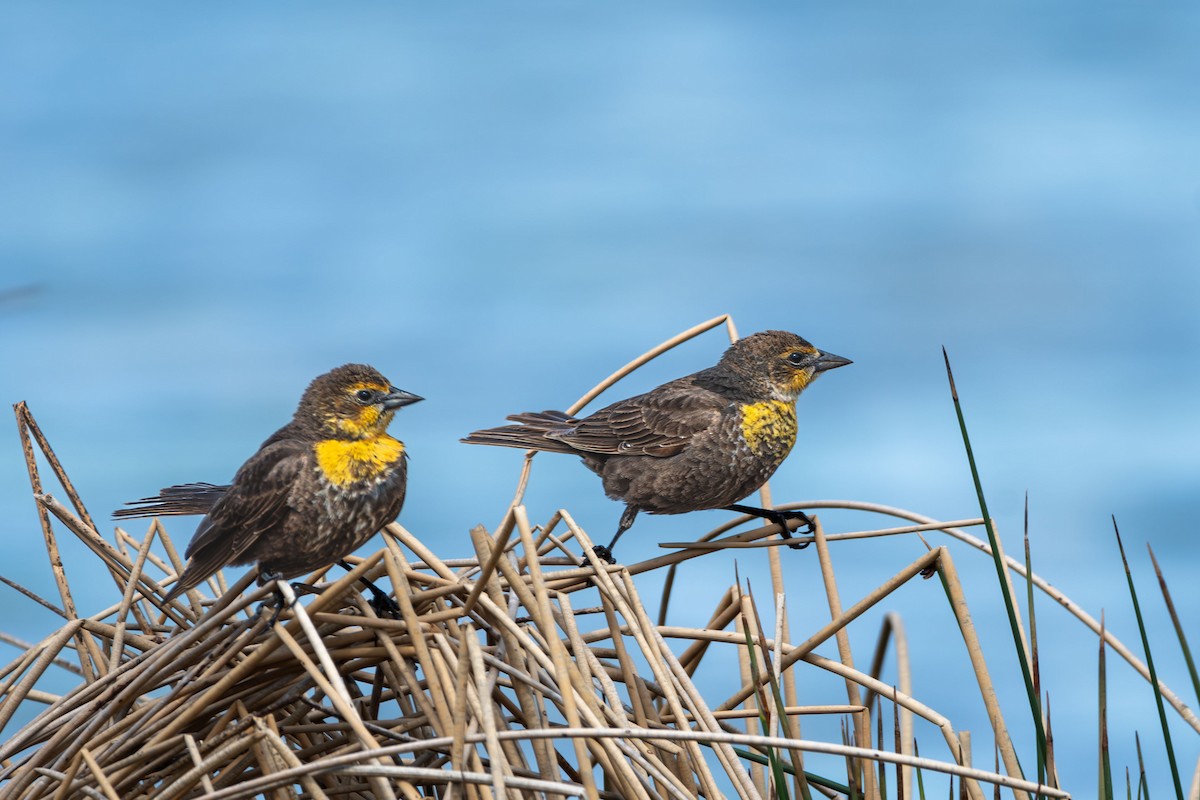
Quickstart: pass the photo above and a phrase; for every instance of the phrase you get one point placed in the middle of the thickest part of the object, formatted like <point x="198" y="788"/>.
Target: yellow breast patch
<point x="769" y="424"/>
<point x="345" y="462"/>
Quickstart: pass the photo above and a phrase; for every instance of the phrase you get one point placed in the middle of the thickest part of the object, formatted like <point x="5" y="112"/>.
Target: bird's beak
<point x="398" y="398"/>
<point x="830" y="361"/>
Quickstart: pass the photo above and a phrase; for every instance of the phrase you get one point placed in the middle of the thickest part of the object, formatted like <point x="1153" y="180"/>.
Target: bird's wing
<point x="659" y="423"/>
<point x="184" y="499"/>
<point x="255" y="502"/>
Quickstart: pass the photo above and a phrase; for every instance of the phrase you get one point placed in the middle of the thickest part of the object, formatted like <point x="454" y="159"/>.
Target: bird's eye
<point x="364" y="395"/>
<point x="795" y="359"/>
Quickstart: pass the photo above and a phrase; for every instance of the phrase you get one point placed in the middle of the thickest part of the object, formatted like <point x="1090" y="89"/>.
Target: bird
<point x="704" y="441"/>
<point x="316" y="490"/>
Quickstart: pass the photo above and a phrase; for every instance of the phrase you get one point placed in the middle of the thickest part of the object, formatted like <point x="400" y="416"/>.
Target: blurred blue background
<point x="497" y="205"/>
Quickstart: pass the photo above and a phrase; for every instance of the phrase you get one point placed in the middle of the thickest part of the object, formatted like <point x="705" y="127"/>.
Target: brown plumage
<point x="316" y="490"/>
<point x="703" y="441"/>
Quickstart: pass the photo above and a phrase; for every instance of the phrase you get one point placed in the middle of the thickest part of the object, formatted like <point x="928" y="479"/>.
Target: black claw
<point x="303" y="588"/>
<point x="806" y="523"/>
<point x="383" y="605"/>
<point x="604" y="554"/>
<point x="279" y="602"/>
<point x="780" y="518"/>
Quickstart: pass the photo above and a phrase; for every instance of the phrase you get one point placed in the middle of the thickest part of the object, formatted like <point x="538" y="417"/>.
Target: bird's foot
<point x="604" y="553"/>
<point x="279" y="603"/>
<point x="382" y="604"/>
<point x="780" y="518"/>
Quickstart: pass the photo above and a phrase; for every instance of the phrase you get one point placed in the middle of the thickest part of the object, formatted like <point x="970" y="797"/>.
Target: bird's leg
<point x="273" y="578"/>
<point x="383" y="605"/>
<point x="627" y="517"/>
<point x="779" y="518"/>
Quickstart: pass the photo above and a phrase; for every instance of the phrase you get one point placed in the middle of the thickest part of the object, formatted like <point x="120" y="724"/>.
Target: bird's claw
<point x="781" y="517"/>
<point x="280" y="603"/>
<point x="383" y="605"/>
<point x="604" y="553"/>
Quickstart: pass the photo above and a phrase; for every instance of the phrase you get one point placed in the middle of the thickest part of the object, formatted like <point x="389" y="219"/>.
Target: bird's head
<point x="352" y="402"/>
<point x="777" y="364"/>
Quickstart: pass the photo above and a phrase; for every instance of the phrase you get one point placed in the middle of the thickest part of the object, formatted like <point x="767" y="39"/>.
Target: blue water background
<point x="204" y="206"/>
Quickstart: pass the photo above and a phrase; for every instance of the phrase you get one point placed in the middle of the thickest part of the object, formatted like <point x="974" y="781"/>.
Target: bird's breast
<point x="347" y="462"/>
<point x="769" y="426"/>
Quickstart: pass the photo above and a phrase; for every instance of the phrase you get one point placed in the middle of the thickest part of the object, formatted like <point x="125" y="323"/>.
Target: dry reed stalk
<point x="753" y="713"/>
<point x="860" y="731"/>
<point x="486" y="683"/>
<point x="197" y="711"/>
<point x="1170" y="696"/>
<point x="893" y="630"/>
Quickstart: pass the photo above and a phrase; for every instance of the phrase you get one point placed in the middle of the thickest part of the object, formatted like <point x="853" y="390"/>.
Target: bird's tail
<point x="187" y="498"/>
<point x="534" y="432"/>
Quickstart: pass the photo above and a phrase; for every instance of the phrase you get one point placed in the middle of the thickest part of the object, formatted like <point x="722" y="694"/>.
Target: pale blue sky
<point x="499" y="205"/>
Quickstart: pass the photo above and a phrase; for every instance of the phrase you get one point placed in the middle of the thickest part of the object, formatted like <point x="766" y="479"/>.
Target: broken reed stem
<point x="477" y="683"/>
<point x="1169" y="696"/>
<point x="504" y="584"/>
<point x="893" y="631"/>
<point x="958" y="604"/>
<point x="650" y="355"/>
<point x="741" y="541"/>
<point x="862" y="729"/>
<point x="649" y="639"/>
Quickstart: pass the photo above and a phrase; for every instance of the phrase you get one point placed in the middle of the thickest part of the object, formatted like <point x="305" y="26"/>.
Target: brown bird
<point x="703" y="441"/>
<point x="316" y="490"/>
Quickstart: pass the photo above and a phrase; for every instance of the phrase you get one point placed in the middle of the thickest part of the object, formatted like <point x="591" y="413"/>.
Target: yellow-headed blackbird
<point x="703" y="441"/>
<point x="319" y="488"/>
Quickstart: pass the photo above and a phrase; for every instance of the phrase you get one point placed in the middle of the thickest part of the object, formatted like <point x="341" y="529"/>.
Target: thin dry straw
<point x="484" y="670"/>
<point x="254" y="785"/>
<point x="29" y="432"/>
<point x="845" y="618"/>
<point x="983" y="678"/>
<point x="652" y="354"/>
<point x="861" y="730"/>
<point x="1182" y="709"/>
<point x="738" y="542"/>
<point x="893" y="630"/>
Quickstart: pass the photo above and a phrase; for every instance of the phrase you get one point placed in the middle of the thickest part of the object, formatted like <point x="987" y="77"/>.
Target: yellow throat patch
<point x="768" y="424"/>
<point x="369" y="420"/>
<point x="346" y="462"/>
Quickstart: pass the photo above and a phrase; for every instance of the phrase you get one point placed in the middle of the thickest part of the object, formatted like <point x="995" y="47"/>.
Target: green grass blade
<point x="1051" y="780"/>
<point x="996" y="769"/>
<point x="773" y="760"/>
<point x="785" y="722"/>
<point x="1143" y="786"/>
<point x="881" y="772"/>
<point x="1104" y="781"/>
<point x="1026" y="672"/>
<point x="1162" y="712"/>
<point x="810" y="777"/>
<point x="896" y="745"/>
<point x="1183" y="642"/>
<point x="920" y="777"/>
<point x="1033" y="644"/>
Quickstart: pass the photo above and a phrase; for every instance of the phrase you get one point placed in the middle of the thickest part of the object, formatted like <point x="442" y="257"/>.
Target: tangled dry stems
<point x="525" y="671"/>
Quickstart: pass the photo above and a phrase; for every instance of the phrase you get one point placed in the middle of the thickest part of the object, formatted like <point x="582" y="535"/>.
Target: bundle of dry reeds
<point x="526" y="671"/>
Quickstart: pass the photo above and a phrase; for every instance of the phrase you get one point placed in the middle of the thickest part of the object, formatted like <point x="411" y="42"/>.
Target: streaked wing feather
<point x="536" y="431"/>
<point x="181" y="500"/>
<point x="255" y="501"/>
<point x="659" y="423"/>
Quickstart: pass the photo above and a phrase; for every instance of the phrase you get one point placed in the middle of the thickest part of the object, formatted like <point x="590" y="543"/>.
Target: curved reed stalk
<point x="525" y="671"/>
